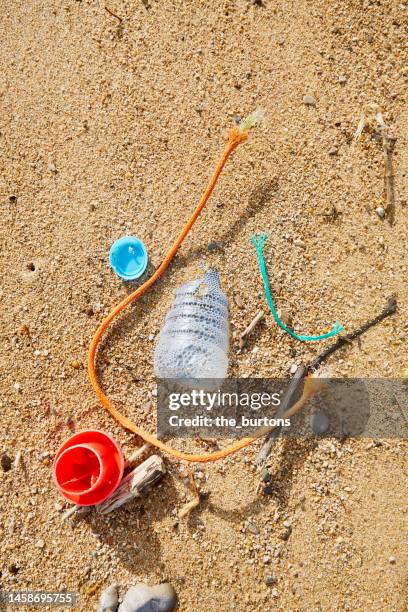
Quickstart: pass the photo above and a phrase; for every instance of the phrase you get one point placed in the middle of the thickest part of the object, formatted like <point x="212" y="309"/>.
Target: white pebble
<point x="309" y="100"/>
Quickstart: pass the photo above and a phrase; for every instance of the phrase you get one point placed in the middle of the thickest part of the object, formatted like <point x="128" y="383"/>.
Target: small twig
<point x="17" y="460"/>
<point x="120" y="19"/>
<point x="134" y="457"/>
<point x="388" y="149"/>
<point x="69" y="513"/>
<point x="194" y="502"/>
<point x="403" y="411"/>
<point x="78" y="510"/>
<point x="373" y="112"/>
<point x="301" y="372"/>
<point x="389" y="310"/>
<point x="247" y="331"/>
<point x="287" y="400"/>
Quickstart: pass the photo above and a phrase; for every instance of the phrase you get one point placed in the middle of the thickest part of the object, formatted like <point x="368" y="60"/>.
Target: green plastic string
<point x="258" y="242"/>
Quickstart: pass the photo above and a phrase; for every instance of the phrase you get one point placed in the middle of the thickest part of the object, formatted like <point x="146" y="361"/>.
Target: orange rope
<point x="235" y="138"/>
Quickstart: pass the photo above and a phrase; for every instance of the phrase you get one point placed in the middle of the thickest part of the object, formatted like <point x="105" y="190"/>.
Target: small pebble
<point x="333" y="151"/>
<point x="266" y="559"/>
<point x="293" y="368"/>
<point x="253" y="529"/>
<point x="380" y="212"/>
<point x="143" y="598"/>
<point x="109" y="599"/>
<point x="342" y="79"/>
<point x="270" y="579"/>
<point x="286" y="317"/>
<point x="52" y="167"/>
<point x="24" y="331"/>
<point x="309" y="100"/>
<point x="392" y="559"/>
<point x="285" y="534"/>
<point x="76" y="364"/>
<point x="17" y="387"/>
<point x="319" y="423"/>
<point x="5" y="462"/>
<point x="238" y="300"/>
<point x="268" y="491"/>
<point x="40" y="544"/>
<point x="214" y="246"/>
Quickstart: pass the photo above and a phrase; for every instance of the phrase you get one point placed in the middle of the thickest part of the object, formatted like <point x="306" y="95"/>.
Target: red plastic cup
<point x="88" y="467"/>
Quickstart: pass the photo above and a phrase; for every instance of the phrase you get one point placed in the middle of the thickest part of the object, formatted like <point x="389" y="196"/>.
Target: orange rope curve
<point x="236" y="137"/>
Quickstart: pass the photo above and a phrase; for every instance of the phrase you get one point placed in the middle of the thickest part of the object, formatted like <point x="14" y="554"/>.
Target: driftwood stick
<point x="75" y="511"/>
<point x="287" y="400"/>
<point x="302" y="371"/>
<point x="189" y="506"/>
<point x="388" y="150"/>
<point x="389" y="310"/>
<point x="134" y="484"/>
<point x="242" y="339"/>
<point x="373" y="113"/>
<point x="108" y="10"/>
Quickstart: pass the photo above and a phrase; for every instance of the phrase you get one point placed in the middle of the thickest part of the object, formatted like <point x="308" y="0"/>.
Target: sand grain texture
<point x="111" y="127"/>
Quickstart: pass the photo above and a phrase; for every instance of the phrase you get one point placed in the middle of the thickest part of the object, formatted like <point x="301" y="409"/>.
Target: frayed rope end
<point x="258" y="240"/>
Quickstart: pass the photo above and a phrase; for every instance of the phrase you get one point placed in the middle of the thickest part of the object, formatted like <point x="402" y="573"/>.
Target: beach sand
<point x="112" y="127"/>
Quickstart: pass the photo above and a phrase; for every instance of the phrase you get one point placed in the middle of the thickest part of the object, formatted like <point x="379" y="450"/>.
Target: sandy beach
<point x="111" y="124"/>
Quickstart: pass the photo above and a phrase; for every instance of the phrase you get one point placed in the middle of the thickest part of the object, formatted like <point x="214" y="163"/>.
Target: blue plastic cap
<point x="128" y="257"/>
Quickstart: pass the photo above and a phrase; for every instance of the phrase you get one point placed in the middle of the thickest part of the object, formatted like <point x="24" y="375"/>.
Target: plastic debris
<point x="128" y="257"/>
<point x="88" y="467"/>
<point x="258" y="242"/>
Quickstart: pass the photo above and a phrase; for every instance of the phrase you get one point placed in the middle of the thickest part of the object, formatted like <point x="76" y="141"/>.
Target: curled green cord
<point x="258" y="242"/>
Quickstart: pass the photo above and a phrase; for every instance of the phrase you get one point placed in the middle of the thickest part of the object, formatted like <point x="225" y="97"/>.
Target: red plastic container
<point x="88" y="467"/>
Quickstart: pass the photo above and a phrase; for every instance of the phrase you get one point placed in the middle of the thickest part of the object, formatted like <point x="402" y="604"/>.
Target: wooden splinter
<point x="134" y="484"/>
<point x="373" y="113"/>
<point x="300" y="374"/>
<point x="247" y="331"/>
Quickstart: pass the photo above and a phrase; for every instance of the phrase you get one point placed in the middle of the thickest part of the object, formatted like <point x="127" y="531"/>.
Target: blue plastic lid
<point x="128" y="257"/>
